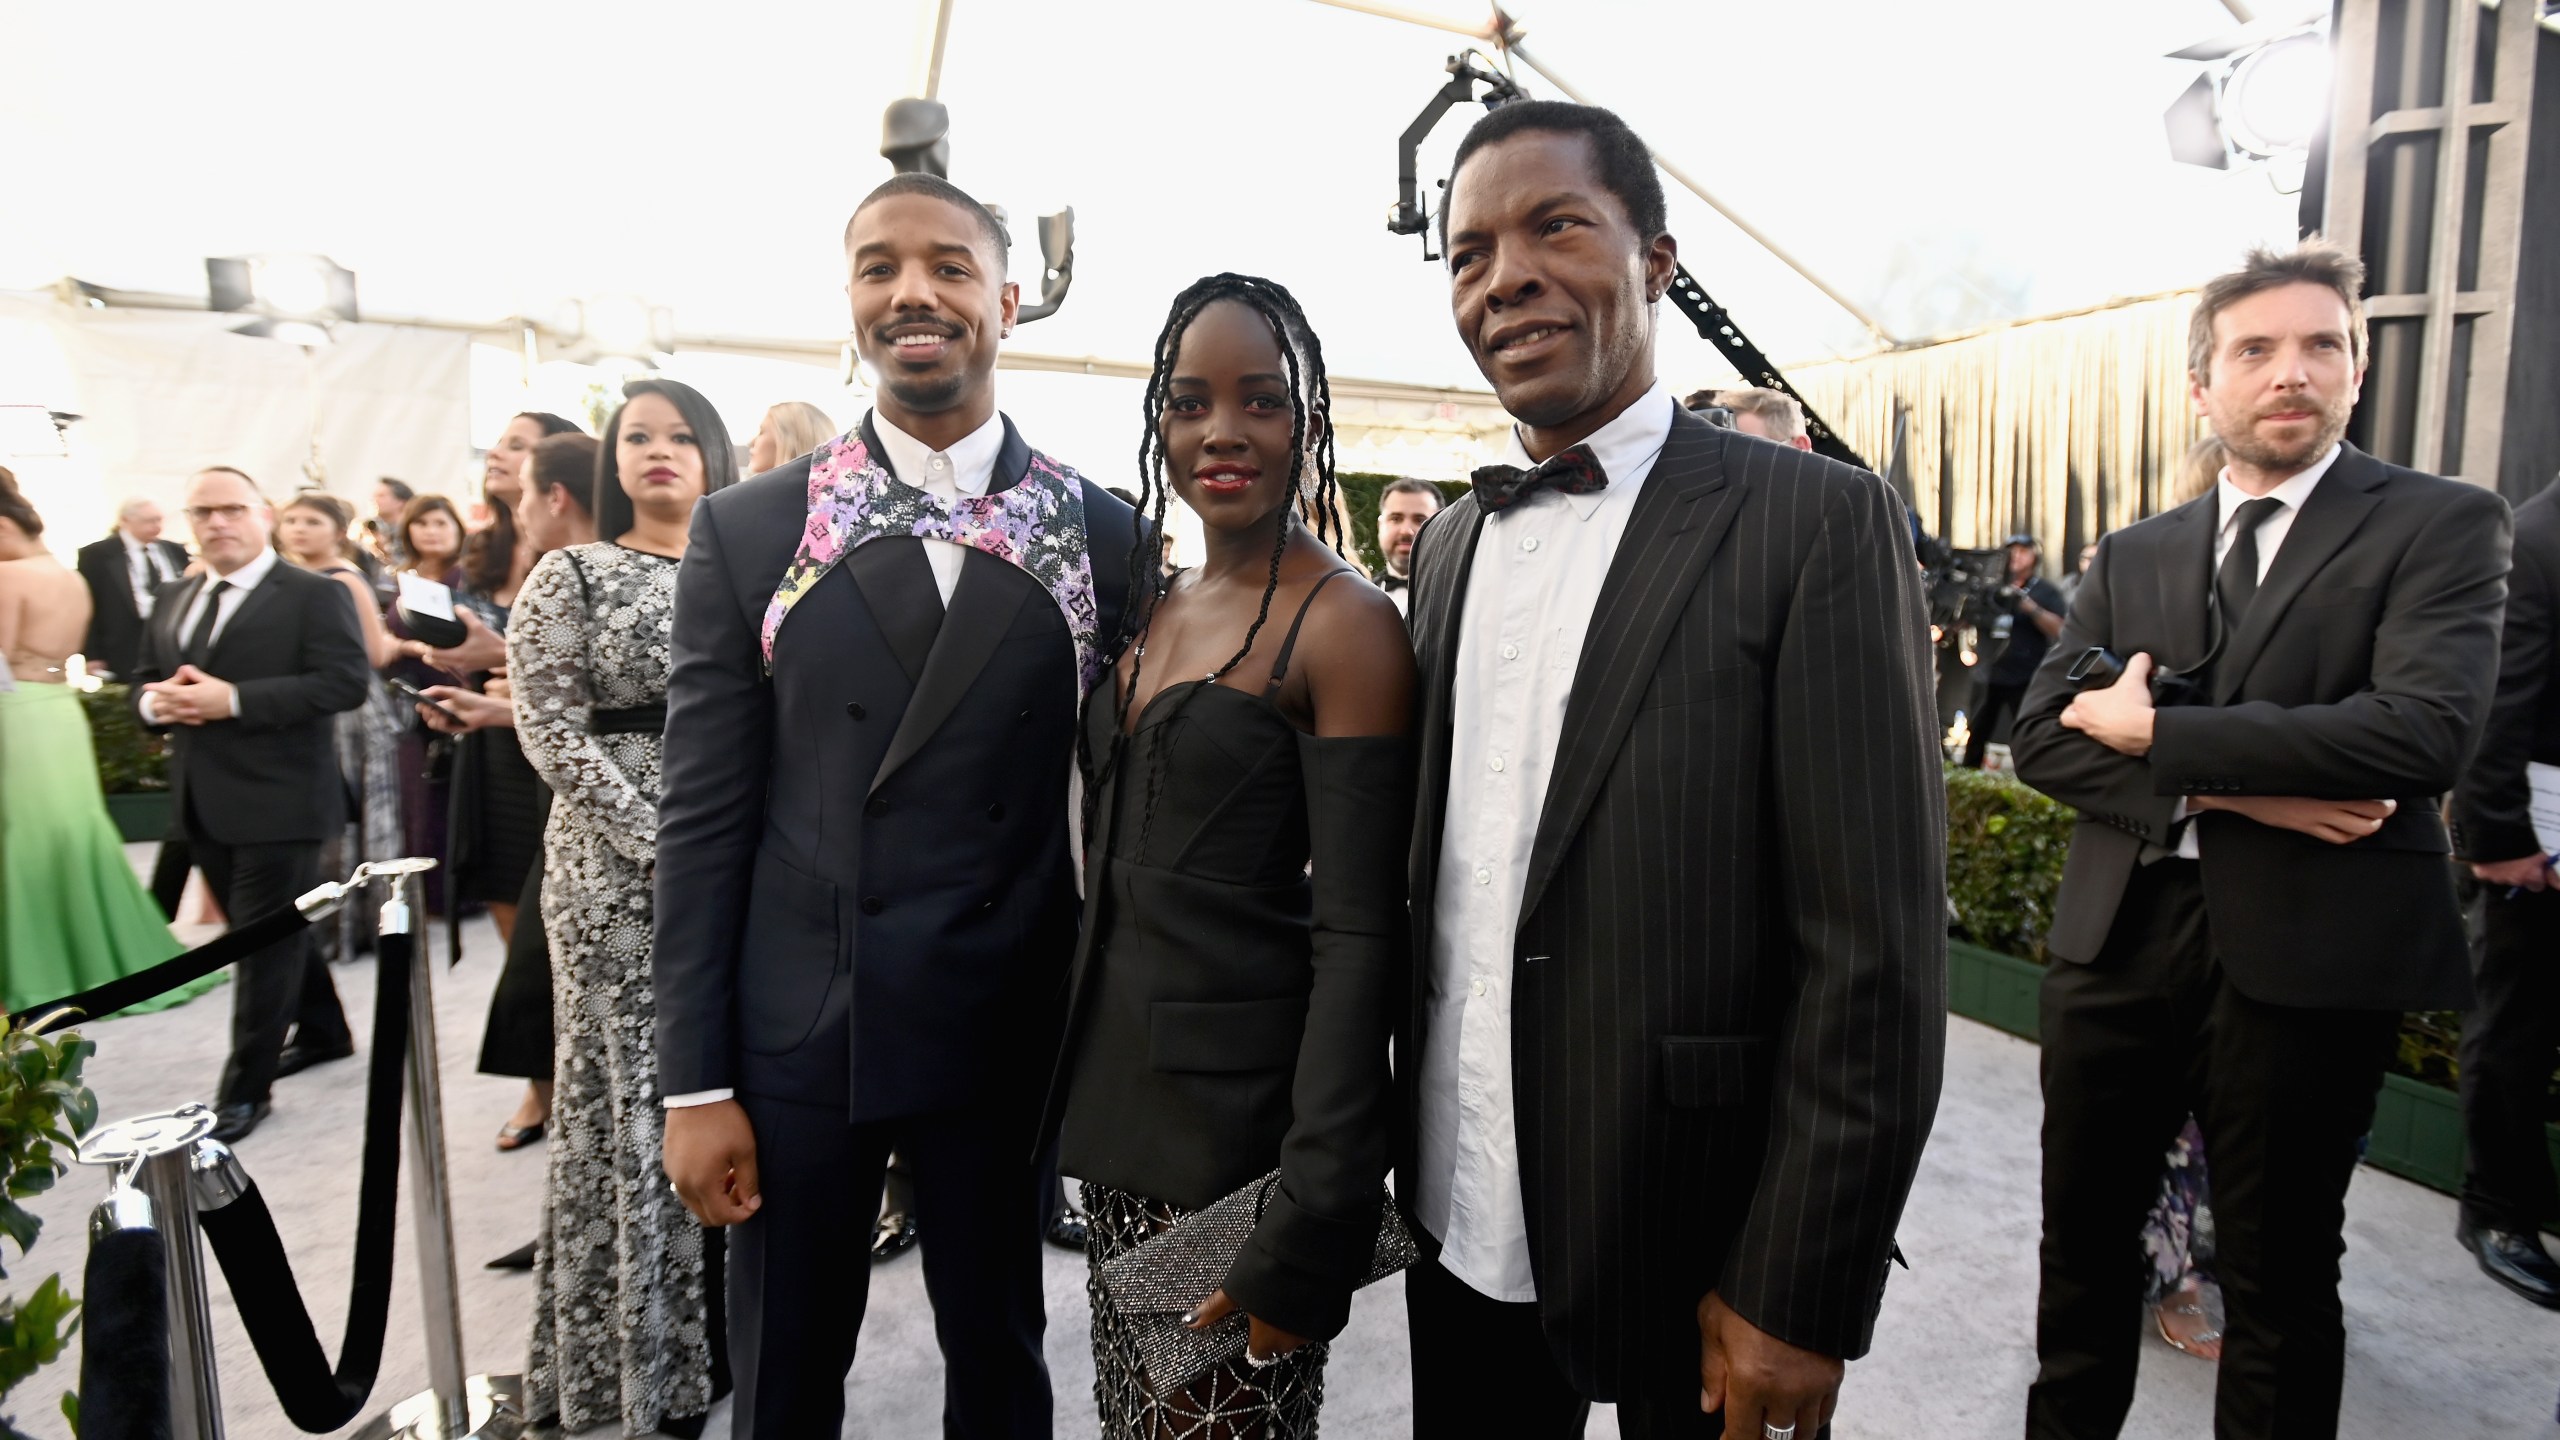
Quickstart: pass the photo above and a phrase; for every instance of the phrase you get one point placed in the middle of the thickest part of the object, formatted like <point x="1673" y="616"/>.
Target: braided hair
<point x="1313" y="500"/>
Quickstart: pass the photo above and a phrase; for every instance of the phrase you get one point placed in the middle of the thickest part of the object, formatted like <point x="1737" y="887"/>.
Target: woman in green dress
<point x="72" y="913"/>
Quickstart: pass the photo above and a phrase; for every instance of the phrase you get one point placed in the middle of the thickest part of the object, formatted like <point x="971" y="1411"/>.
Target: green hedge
<point x="131" y="760"/>
<point x="2005" y="848"/>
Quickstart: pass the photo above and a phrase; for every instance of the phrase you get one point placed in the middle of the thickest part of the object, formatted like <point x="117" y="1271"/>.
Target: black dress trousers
<point x="2507" y="1045"/>
<point x="283" y="987"/>
<point x="2134" y="1041"/>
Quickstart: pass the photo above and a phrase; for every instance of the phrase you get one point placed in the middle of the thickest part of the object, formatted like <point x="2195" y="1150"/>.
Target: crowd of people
<point x="1580" y="870"/>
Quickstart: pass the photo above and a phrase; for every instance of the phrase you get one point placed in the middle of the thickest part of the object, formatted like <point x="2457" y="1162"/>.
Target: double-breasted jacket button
<point x="873" y="904"/>
<point x="1025" y="716"/>
<point x="996" y="811"/>
<point x="877" y="808"/>
<point x="986" y="907"/>
<point x="854" y="709"/>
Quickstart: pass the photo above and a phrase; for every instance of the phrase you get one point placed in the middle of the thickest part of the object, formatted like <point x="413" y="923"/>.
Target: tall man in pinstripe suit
<point x="1679" y="1011"/>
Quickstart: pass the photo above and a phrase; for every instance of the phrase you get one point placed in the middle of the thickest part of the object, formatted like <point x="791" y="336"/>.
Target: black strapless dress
<point x="1232" y="1013"/>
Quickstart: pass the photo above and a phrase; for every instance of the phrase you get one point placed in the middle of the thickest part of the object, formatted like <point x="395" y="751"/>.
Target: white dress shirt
<point x="241" y="581"/>
<point x="2227" y="500"/>
<point x="145" y="571"/>
<point x="1536" y="578"/>
<point x="967" y="468"/>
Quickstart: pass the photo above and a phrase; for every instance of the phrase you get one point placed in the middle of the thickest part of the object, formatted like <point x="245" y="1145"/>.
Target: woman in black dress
<point x="1232" y="1004"/>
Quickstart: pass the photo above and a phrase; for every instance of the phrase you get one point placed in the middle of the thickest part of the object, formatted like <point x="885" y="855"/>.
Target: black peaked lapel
<point x="1439" y="600"/>
<point x="2185" y="562"/>
<point x="2336" y="509"/>
<point x="896" y="580"/>
<point x="1687" y="506"/>
<point x="990" y="593"/>
<point x="250" y="605"/>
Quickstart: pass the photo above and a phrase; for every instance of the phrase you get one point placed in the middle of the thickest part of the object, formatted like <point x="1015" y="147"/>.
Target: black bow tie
<point x="1572" y="471"/>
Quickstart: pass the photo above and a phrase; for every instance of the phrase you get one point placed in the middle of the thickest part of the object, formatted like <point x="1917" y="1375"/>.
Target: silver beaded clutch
<point x="1154" y="1285"/>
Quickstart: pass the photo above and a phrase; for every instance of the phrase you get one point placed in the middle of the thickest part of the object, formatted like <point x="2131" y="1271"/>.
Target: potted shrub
<point x="43" y="1110"/>
<point x="133" y="764"/>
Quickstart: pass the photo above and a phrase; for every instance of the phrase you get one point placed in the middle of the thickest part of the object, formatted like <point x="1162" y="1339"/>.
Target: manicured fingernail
<point x="1191" y="1317"/>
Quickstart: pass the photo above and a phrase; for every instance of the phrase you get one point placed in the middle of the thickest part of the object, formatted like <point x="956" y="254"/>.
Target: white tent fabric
<point x="164" y="394"/>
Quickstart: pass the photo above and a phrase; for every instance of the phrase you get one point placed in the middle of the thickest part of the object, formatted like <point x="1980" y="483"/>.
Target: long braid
<point x="1310" y="417"/>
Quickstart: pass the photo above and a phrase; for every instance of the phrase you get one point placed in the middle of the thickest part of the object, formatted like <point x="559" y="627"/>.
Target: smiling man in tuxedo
<point x="1679" y="1009"/>
<point x="866" y="903"/>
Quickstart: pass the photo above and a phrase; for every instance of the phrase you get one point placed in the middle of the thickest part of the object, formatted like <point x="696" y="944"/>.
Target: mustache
<point x="911" y="319"/>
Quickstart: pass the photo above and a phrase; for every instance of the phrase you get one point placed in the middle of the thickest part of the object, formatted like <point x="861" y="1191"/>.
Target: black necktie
<point x="201" y="642"/>
<point x="1572" y="471"/>
<point x="2236" y="583"/>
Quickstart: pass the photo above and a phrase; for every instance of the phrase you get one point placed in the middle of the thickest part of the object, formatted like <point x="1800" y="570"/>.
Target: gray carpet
<point x="2433" y="1348"/>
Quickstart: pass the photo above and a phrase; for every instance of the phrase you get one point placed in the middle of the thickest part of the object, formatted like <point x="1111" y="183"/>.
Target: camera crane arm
<point x="1411" y="217"/>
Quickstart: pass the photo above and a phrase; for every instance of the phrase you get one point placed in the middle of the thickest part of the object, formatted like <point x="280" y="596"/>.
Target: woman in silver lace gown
<point x="625" y="1319"/>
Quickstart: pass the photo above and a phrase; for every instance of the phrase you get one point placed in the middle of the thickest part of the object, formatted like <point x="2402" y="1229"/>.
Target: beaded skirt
<point x="1232" y="1401"/>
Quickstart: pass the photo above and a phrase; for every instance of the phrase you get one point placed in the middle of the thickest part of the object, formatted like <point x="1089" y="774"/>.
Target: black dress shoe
<point x="517" y="1259"/>
<point x="1067" y="1231"/>
<point x="299" y="1057"/>
<point x="895" y="1236"/>
<point x="232" y="1123"/>
<point x="2516" y="1260"/>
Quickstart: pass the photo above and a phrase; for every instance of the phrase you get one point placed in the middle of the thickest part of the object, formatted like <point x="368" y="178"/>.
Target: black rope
<point x="315" y="1395"/>
<point x="124" y="1354"/>
<point x="238" y="943"/>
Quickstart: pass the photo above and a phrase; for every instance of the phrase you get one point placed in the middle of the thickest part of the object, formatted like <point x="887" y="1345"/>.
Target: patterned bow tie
<point x="1573" y="471"/>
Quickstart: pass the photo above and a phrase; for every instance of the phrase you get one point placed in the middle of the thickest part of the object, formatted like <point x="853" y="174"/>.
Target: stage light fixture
<point x="2259" y="102"/>
<point x="615" y="327"/>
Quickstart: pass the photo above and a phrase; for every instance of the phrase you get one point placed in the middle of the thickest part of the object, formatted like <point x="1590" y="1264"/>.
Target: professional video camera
<point x="1971" y="606"/>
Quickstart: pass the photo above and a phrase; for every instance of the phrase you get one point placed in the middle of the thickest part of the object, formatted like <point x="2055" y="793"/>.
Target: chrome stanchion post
<point x="153" y="1154"/>
<point x="456" y="1405"/>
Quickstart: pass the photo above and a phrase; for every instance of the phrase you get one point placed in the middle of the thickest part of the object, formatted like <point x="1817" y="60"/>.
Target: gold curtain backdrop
<point x="2065" y="427"/>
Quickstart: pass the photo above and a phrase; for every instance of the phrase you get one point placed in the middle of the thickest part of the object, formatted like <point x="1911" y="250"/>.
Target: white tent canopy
<point x="1943" y="165"/>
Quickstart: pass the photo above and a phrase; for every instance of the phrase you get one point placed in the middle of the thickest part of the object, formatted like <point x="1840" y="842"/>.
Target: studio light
<point x="296" y="298"/>
<point x="2258" y="103"/>
<point x="615" y="327"/>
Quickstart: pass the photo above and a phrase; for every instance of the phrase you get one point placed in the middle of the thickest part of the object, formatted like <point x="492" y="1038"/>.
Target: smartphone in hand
<point x="414" y="693"/>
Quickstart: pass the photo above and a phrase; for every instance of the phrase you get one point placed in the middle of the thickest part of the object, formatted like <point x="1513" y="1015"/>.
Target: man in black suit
<point x="125" y="571"/>
<point x="2508" y="1038"/>
<point x="1679" y="1009"/>
<point x="2258" y="884"/>
<point x="866" y="903"/>
<point x="246" y="667"/>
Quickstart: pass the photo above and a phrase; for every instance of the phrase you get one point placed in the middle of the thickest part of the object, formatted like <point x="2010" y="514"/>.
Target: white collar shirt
<point x="241" y="581"/>
<point x="2227" y="500"/>
<point x="1535" y="579"/>
<point x="967" y="468"/>
<point x="145" y="570"/>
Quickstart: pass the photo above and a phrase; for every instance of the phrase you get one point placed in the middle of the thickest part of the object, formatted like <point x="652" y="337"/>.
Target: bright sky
<point x="1947" y="164"/>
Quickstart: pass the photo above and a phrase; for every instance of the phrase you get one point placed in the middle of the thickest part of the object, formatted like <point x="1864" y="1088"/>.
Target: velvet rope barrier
<point x="99" y="1001"/>
<point x="124" y="1355"/>
<point x="317" y="1396"/>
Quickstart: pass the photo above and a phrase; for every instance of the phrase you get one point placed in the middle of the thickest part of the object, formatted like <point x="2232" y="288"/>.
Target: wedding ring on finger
<point x="1776" y="1432"/>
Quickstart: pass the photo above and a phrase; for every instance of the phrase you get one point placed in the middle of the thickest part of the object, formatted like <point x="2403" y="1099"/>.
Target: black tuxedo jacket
<point x="115" y="626"/>
<point x="2361" y="672"/>
<point x="294" y="650"/>
<point x="864" y="893"/>
<point x="2490" y="817"/>
<point x="1730" y="973"/>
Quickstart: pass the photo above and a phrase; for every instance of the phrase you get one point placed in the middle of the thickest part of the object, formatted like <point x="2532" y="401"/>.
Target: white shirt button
<point x="1483" y="876"/>
<point x="1529" y="543"/>
<point x="1495" y="764"/>
<point x="1510" y="652"/>
<point x="1479" y="987"/>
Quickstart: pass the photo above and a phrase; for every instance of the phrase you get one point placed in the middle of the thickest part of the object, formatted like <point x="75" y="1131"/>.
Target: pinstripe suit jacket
<point x="1729" y="977"/>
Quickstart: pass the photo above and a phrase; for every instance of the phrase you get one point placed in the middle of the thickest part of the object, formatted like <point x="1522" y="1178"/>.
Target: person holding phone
<point x="431" y="535"/>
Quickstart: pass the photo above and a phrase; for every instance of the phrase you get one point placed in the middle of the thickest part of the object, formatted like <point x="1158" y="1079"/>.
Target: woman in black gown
<point x="1232" y="1003"/>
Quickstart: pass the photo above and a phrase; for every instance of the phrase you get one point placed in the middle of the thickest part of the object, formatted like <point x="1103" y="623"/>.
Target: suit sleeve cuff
<point x="698" y="1097"/>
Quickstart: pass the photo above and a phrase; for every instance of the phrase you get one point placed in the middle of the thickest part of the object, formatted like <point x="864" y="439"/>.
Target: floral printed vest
<point x="1038" y="525"/>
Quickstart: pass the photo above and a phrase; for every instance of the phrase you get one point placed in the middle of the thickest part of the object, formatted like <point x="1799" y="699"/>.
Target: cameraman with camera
<point x="2034" y="607"/>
